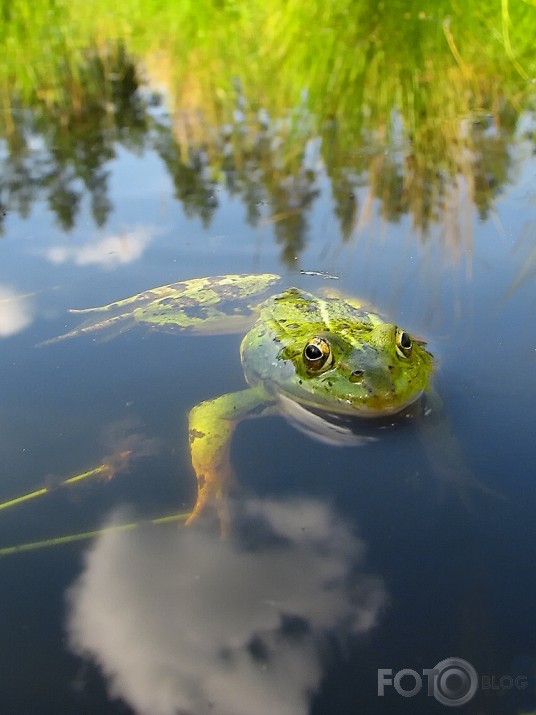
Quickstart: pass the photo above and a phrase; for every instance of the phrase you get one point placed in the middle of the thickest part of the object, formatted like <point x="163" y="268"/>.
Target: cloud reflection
<point x="181" y="621"/>
<point x="108" y="252"/>
<point x="16" y="311"/>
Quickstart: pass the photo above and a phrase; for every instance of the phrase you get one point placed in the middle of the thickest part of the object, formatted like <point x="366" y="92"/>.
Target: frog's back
<point x="216" y="304"/>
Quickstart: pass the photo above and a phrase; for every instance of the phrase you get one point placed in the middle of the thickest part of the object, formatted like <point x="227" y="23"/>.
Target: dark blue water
<point x="343" y="561"/>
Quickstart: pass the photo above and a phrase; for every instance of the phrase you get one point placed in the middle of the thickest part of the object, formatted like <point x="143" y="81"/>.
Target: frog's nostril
<point x="356" y="375"/>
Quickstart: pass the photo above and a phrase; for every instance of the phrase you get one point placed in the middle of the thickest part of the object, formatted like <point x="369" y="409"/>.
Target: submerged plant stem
<point x="82" y="536"/>
<point x="102" y="468"/>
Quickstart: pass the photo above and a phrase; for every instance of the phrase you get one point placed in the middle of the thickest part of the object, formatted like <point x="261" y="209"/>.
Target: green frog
<point x="329" y="363"/>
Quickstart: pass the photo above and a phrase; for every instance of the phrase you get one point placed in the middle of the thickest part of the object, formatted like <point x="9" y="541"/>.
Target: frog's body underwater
<point x="326" y="362"/>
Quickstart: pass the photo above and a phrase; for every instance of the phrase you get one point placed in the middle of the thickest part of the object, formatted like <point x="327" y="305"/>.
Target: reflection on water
<point x="16" y="311"/>
<point x="525" y="255"/>
<point x="181" y="621"/>
<point x="107" y="252"/>
<point x="410" y="110"/>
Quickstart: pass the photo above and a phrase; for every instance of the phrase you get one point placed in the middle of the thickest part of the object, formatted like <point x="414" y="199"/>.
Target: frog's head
<point x="370" y="369"/>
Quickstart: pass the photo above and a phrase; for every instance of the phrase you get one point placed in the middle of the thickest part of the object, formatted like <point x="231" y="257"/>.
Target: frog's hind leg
<point x="109" y="326"/>
<point x="113" y="318"/>
<point x="221" y="304"/>
<point x="136" y="300"/>
<point x="211" y="427"/>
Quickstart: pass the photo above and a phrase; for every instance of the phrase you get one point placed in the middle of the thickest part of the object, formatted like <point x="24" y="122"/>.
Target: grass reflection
<point x="410" y="106"/>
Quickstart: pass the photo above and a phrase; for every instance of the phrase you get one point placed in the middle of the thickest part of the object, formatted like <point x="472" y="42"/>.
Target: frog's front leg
<point x="211" y="427"/>
<point x="445" y="454"/>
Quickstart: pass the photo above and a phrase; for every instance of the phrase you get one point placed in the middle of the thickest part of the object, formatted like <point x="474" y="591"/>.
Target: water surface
<point x="394" y="152"/>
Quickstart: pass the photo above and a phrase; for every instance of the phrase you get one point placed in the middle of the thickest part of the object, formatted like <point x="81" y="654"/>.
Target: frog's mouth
<point x="348" y="428"/>
<point x="347" y="408"/>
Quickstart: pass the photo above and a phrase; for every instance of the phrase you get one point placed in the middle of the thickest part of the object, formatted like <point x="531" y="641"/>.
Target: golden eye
<point x="317" y="355"/>
<point x="403" y="343"/>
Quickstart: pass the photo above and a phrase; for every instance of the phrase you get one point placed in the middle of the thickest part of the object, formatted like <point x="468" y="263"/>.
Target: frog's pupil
<point x="313" y="352"/>
<point x="405" y="340"/>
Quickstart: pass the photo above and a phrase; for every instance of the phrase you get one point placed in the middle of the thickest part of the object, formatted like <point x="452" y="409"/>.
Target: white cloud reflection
<point x="108" y="252"/>
<point x="181" y="621"/>
<point x="16" y="311"/>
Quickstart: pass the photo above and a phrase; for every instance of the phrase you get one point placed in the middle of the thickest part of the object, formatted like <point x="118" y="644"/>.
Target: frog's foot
<point x="465" y="484"/>
<point x="212" y="497"/>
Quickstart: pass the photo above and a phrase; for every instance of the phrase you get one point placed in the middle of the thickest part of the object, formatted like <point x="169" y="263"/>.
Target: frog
<point x="329" y="363"/>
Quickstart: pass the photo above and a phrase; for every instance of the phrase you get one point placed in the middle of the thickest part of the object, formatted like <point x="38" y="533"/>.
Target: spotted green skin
<point x="367" y="377"/>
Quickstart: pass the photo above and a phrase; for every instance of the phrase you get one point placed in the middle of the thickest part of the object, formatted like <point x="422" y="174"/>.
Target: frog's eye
<point x="317" y="355"/>
<point x="403" y="343"/>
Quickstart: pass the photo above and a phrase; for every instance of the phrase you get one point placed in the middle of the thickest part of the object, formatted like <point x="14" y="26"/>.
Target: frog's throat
<point x="323" y="427"/>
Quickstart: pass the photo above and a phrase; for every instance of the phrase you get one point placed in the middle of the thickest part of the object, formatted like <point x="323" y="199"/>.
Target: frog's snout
<point x="374" y="383"/>
<point x="372" y="377"/>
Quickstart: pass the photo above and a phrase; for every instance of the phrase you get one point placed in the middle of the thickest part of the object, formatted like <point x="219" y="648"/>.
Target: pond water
<point x="419" y="196"/>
